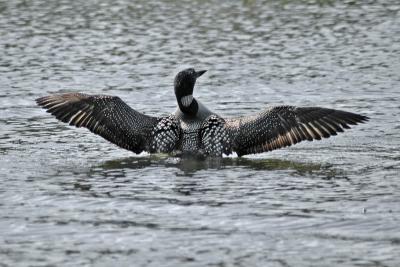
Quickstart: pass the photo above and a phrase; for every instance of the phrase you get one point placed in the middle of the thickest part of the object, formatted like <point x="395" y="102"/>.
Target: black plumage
<point x="193" y="128"/>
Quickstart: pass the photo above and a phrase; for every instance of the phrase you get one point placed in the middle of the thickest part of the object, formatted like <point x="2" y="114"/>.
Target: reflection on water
<point x="189" y="165"/>
<point x="67" y="197"/>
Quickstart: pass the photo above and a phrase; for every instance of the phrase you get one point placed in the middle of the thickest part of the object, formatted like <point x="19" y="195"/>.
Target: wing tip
<point x="358" y="118"/>
<point x="58" y="98"/>
<point x="364" y="118"/>
<point x="41" y="100"/>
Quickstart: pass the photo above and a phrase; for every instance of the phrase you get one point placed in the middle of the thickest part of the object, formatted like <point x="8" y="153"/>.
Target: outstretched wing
<point x="107" y="116"/>
<point x="283" y="126"/>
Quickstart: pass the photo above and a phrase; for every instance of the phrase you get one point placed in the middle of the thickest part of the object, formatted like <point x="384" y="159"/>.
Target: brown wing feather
<point x="287" y="125"/>
<point x="107" y="116"/>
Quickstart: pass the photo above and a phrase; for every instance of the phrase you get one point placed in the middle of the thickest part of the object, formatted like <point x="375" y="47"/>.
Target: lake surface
<point x="70" y="198"/>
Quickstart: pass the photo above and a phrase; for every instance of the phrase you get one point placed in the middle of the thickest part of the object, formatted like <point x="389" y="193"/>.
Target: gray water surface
<point x="70" y="198"/>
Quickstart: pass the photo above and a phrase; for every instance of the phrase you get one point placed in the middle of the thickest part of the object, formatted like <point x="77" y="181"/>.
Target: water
<point x="69" y="198"/>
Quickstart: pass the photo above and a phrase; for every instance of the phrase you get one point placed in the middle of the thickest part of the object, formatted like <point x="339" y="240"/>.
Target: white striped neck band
<point x="186" y="100"/>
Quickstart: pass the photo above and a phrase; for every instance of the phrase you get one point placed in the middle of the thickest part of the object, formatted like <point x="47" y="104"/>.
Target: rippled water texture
<point x="67" y="197"/>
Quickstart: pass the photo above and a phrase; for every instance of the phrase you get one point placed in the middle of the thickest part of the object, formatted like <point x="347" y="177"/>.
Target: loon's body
<point x="191" y="127"/>
<point x="194" y="129"/>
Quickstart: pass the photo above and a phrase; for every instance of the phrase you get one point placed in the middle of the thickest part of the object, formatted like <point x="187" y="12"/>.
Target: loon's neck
<point x="191" y="110"/>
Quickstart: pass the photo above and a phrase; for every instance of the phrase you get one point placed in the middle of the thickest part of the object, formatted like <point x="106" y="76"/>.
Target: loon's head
<point x="184" y="84"/>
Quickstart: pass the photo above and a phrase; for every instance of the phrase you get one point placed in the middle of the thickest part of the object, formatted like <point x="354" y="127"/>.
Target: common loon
<point x="192" y="128"/>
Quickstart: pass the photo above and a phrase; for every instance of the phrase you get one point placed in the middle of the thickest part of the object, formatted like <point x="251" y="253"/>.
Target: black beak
<point x="199" y="73"/>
